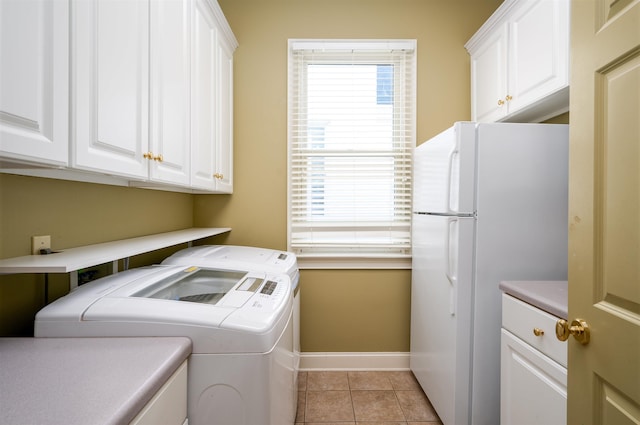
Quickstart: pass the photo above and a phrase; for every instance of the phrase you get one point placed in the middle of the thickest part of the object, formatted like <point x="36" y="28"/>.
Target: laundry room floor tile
<point x="326" y="381"/>
<point x="328" y="406"/>
<point x="362" y="398"/>
<point x="378" y="406"/>
<point x="416" y="406"/>
<point x="369" y="381"/>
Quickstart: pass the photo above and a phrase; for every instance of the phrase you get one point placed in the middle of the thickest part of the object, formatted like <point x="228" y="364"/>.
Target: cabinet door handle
<point x="538" y="332"/>
<point x="508" y="98"/>
<point x="158" y="158"/>
<point x="148" y="155"/>
<point x="500" y="102"/>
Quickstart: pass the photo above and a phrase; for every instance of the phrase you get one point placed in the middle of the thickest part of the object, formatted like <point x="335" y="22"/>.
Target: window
<point x="351" y="137"/>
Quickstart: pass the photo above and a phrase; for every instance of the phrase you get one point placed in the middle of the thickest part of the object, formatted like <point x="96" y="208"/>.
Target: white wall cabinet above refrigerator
<point x="135" y="69"/>
<point x="520" y="62"/>
<point x="34" y="88"/>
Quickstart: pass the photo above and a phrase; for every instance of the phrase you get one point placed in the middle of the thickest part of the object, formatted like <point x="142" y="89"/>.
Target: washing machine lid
<point x="197" y="285"/>
<point x="237" y="257"/>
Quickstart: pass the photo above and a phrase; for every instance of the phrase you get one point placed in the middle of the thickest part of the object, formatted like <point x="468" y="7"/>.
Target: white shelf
<point x="73" y="259"/>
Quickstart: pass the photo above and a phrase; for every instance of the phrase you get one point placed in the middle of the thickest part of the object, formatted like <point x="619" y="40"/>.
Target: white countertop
<point x="56" y="381"/>
<point x="549" y="296"/>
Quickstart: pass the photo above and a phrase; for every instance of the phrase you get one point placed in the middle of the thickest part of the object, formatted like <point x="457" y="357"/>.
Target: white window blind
<point x="351" y="137"/>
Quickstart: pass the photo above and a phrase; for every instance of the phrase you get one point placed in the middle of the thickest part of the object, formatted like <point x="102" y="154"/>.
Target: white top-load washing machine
<point x="242" y="367"/>
<point x="248" y="258"/>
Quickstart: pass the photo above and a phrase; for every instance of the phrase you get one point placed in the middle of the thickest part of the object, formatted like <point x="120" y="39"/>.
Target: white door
<point x="604" y="212"/>
<point x="110" y="86"/>
<point x="170" y="137"/>
<point x="203" y="99"/>
<point x="538" y="52"/>
<point x="34" y="80"/>
<point x="441" y="312"/>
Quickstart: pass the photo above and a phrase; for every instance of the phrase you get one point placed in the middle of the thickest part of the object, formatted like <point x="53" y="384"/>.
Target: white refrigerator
<point x="490" y="204"/>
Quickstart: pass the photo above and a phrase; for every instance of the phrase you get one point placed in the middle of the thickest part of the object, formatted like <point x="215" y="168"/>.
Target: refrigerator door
<point x="444" y="172"/>
<point x="441" y="312"/>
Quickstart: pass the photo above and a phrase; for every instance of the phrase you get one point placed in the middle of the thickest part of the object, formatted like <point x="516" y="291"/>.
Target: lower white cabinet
<point x="169" y="405"/>
<point x="533" y="376"/>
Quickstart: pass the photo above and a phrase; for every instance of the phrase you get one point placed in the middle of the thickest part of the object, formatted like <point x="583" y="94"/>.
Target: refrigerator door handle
<point x="450" y="271"/>
<point x="452" y="155"/>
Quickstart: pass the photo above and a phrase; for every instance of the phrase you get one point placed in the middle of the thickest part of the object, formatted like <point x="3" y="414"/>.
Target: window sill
<point x="310" y="263"/>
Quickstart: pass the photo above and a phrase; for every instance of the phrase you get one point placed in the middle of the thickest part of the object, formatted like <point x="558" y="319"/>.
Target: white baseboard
<point x="354" y="361"/>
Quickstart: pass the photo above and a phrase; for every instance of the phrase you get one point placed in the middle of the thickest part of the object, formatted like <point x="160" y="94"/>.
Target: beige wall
<point x="341" y="310"/>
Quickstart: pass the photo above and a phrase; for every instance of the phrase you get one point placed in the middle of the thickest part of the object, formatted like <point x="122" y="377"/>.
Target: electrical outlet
<point x="40" y="242"/>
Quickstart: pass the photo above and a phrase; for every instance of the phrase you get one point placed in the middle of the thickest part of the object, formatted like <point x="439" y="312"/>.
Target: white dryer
<point x="242" y="367"/>
<point x="248" y="258"/>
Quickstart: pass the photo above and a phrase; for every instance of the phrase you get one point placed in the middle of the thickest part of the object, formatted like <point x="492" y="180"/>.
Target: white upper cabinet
<point x="146" y="87"/>
<point x="124" y="92"/>
<point x="110" y="87"/>
<point x="520" y="62"/>
<point x="224" y="145"/>
<point x="212" y="104"/>
<point x="170" y="99"/>
<point x="203" y="106"/>
<point x="34" y="89"/>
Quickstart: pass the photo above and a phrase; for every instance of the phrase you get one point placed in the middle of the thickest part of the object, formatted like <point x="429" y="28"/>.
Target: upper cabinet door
<point x="204" y="125"/>
<point x="211" y="99"/>
<point x="539" y="51"/>
<point x="224" y="151"/>
<point x="489" y="78"/>
<point x="170" y="91"/>
<point x="110" y="86"/>
<point x="34" y="107"/>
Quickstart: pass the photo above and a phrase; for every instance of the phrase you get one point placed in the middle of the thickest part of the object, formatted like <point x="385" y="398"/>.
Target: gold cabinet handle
<point x="500" y="102"/>
<point x="508" y="98"/>
<point x="538" y="332"/>
<point x="579" y="329"/>
<point x="218" y="176"/>
<point x="150" y="156"/>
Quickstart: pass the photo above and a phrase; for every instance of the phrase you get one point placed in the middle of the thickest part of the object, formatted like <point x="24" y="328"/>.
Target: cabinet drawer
<point x="521" y="319"/>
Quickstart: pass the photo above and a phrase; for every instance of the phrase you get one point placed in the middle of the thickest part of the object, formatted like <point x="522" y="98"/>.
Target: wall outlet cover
<point x="40" y="242"/>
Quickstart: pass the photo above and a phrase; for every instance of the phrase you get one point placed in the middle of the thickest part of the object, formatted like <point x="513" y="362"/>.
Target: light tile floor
<point x="362" y="398"/>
